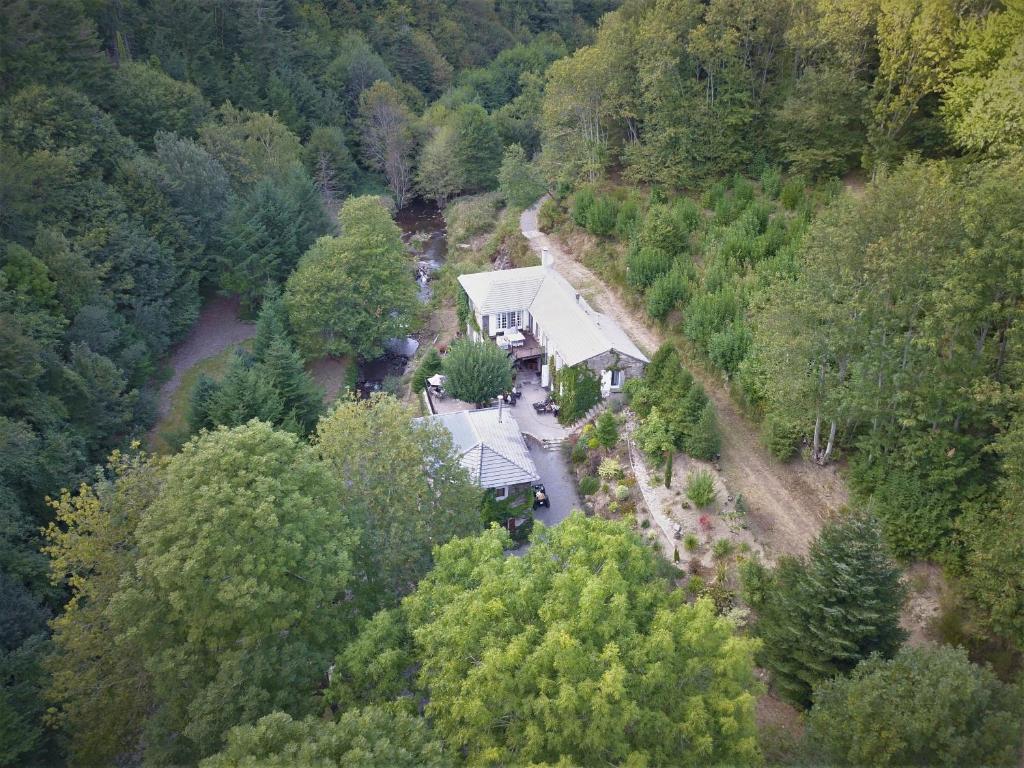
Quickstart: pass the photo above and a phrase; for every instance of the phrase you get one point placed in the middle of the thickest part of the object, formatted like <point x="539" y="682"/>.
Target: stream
<point x="426" y="239"/>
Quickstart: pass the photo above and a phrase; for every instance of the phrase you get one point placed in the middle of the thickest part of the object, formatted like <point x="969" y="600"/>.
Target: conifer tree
<point x="300" y="397"/>
<point x="823" y="615"/>
<point x="606" y="431"/>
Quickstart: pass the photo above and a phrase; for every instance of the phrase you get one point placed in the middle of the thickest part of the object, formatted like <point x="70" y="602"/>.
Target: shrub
<point x="742" y="510"/>
<point x="548" y="215"/>
<point x="694" y="586"/>
<point x="606" y="431"/>
<point x="780" y="436"/>
<point x="626" y="219"/>
<point x="610" y="470"/>
<point x="729" y="347"/>
<point x="742" y="190"/>
<point x="602" y="216"/>
<point x="691" y="542"/>
<point x="726" y="211"/>
<point x="582" y="202"/>
<point x="645" y="523"/>
<point x="621" y="492"/>
<point x="700" y="488"/>
<point x="755" y="581"/>
<point x="771" y="182"/>
<point x="579" y="453"/>
<point x="708" y="313"/>
<point x="430" y="365"/>
<point x="721" y="549"/>
<point x="645" y="265"/>
<point x="713" y="196"/>
<point x="792" y="194"/>
<point x="589" y="485"/>
<point x="687" y="214"/>
<point x="668" y="292"/>
<point x="661" y="229"/>
<point x="469" y="216"/>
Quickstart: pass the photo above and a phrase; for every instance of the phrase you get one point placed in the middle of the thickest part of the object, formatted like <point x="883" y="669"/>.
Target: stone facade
<point x="612" y="360"/>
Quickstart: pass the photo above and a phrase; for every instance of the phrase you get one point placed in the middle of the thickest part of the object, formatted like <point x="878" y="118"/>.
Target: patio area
<point x="540" y="426"/>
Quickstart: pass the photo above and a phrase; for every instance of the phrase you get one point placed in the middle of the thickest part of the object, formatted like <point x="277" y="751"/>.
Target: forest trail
<point x="217" y="328"/>
<point x="788" y="502"/>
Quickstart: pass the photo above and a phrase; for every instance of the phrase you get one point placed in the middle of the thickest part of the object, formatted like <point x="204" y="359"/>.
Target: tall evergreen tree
<point x="823" y="615"/>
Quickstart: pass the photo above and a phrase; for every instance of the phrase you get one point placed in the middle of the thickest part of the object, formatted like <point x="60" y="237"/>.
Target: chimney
<point x="577" y="298"/>
<point x="545" y="258"/>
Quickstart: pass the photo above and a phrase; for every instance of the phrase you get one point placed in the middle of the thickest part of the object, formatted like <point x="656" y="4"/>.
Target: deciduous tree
<point x="476" y="371"/>
<point x="238" y="595"/>
<point x="403" y="485"/>
<point x="594" y="634"/>
<point x="385" y="124"/>
<point x="352" y="293"/>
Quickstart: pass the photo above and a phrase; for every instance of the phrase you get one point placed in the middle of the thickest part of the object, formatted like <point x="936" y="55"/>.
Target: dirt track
<point x="788" y="502"/>
<point x="217" y="328"/>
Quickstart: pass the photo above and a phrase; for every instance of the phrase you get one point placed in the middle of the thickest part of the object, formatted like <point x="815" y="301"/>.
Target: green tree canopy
<point x="476" y="371"/>
<point x="476" y="147"/>
<point x="925" y="706"/>
<point x="518" y="181"/>
<point x="822" y="616"/>
<point x="352" y="293"/>
<point x="144" y="101"/>
<point x="522" y="656"/>
<point x="99" y="686"/>
<point x="374" y="737"/>
<point x="403" y="485"/>
<point x="238" y="594"/>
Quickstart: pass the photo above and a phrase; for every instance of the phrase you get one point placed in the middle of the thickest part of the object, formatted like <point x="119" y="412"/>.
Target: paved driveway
<point x="558" y="482"/>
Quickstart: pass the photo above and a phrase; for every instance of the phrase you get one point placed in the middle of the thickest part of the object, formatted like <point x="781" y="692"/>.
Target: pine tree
<point x="606" y="431"/>
<point x="203" y="394"/>
<point x="272" y="323"/>
<point x="702" y="439"/>
<point x="824" y="615"/>
<point x="300" y="396"/>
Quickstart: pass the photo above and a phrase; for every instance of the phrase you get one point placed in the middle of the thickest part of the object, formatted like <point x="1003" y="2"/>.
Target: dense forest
<point x="820" y="201"/>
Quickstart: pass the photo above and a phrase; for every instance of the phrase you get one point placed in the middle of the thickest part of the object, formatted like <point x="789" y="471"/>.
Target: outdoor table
<point x="514" y="337"/>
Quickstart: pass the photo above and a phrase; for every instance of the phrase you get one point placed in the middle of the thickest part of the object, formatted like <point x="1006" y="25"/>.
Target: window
<point x="505" y="320"/>
<point x="616" y="378"/>
<point x="501" y="493"/>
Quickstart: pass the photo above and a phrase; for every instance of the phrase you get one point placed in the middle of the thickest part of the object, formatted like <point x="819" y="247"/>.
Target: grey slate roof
<point x="490" y="446"/>
<point x="573" y="327"/>
<point x="504" y="289"/>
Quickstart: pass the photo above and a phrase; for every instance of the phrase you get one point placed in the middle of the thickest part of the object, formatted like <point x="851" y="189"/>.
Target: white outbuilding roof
<point x="490" y="446"/>
<point x="576" y="330"/>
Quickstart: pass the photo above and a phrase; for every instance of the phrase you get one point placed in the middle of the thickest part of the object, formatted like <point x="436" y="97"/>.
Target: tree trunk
<point x="831" y="444"/>
<point x="668" y="469"/>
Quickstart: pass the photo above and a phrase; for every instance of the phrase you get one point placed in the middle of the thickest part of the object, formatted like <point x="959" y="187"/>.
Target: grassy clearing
<point x="169" y="433"/>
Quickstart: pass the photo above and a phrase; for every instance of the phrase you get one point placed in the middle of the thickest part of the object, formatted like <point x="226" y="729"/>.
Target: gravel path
<point x="788" y="502"/>
<point x="217" y="328"/>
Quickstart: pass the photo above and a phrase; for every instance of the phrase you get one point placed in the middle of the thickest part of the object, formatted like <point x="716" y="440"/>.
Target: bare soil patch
<point x="329" y="374"/>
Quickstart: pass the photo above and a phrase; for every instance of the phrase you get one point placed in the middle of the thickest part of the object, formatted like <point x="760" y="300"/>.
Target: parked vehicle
<point x="540" y="496"/>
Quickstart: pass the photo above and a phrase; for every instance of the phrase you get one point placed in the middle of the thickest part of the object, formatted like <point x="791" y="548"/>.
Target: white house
<point x="554" y="321"/>
<point x="491" y="447"/>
